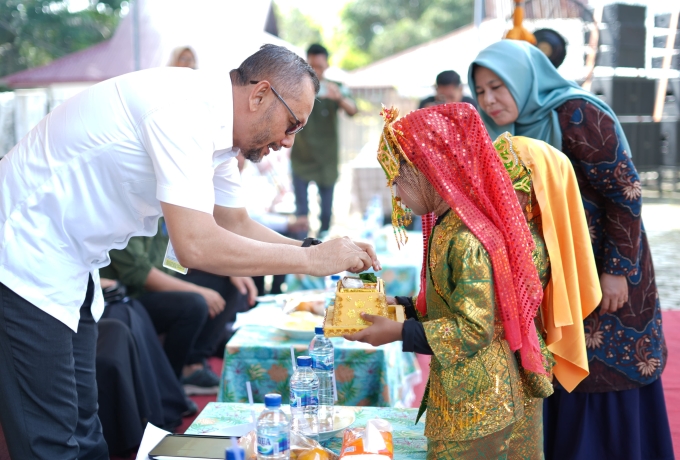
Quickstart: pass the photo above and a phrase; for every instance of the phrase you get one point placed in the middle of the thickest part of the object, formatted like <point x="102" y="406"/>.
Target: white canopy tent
<point x="223" y="34"/>
<point x="412" y="72"/>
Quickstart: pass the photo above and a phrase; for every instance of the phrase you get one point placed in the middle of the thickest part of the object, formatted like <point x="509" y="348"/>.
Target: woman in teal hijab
<point x="618" y="411"/>
<point x="537" y="88"/>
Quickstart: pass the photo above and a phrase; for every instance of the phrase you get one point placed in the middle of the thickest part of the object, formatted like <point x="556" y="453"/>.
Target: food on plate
<point x="312" y="306"/>
<point x="311" y="301"/>
<point x="302" y="320"/>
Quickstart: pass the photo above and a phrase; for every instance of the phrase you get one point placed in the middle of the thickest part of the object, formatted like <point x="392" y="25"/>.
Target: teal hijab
<point x="538" y="90"/>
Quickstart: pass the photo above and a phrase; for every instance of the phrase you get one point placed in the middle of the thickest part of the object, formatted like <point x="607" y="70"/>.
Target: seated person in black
<point x="448" y="89"/>
<point x="191" y="317"/>
<point x="135" y="382"/>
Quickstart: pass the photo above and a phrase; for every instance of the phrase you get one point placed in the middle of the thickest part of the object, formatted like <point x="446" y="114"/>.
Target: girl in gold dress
<point x="484" y="271"/>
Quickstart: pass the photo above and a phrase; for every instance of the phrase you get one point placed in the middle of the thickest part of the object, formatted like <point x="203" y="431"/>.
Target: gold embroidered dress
<point x="485" y="267"/>
<point x="476" y="386"/>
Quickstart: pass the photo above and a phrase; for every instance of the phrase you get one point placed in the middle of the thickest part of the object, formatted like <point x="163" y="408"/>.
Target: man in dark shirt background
<point x="314" y="157"/>
<point x="448" y="89"/>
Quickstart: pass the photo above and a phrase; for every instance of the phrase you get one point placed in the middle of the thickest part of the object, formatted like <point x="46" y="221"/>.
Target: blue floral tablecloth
<point x="365" y="375"/>
<point x="409" y="441"/>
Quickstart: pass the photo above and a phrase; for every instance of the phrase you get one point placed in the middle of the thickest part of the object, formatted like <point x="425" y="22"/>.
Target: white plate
<point x="344" y="418"/>
<point x="300" y="327"/>
<point x="296" y="334"/>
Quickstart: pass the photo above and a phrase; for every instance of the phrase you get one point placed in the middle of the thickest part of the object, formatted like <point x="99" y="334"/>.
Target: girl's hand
<point x="381" y="331"/>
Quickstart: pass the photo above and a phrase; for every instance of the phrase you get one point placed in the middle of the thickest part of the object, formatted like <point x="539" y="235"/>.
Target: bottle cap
<point x="272" y="399"/>
<point x="304" y="361"/>
<point x="318" y="330"/>
<point x="235" y="452"/>
<point x="335" y="277"/>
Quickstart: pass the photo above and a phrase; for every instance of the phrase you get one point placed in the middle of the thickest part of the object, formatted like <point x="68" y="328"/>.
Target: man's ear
<point x="258" y="95"/>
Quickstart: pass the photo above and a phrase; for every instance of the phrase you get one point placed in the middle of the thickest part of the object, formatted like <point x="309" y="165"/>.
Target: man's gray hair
<point x="281" y="67"/>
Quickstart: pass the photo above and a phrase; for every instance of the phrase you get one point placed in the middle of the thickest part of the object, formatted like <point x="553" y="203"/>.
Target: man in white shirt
<point x="103" y="167"/>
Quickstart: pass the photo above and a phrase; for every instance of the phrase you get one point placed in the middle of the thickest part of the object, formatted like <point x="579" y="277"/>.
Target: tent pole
<point x="135" y="34"/>
<point x="478" y="12"/>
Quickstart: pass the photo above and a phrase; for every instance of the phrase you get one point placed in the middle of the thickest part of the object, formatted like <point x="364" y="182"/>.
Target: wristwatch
<point x="307" y="242"/>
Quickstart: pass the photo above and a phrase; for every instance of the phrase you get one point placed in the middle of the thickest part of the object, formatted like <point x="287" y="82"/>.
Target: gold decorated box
<point x="345" y="316"/>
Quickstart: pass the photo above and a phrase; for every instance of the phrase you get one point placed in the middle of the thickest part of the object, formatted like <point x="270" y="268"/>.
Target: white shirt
<point x="92" y="174"/>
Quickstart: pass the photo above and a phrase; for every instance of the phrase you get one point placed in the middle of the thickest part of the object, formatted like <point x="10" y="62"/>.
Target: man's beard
<point x="254" y="154"/>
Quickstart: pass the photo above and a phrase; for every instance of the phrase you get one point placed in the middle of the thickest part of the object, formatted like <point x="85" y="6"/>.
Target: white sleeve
<point x="227" y="183"/>
<point x="179" y="140"/>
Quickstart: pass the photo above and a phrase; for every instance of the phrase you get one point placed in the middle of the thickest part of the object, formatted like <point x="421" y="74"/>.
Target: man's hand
<point x="245" y="286"/>
<point x="214" y="300"/>
<point x="340" y="254"/>
<point x="106" y="283"/>
<point x="381" y="331"/>
<point x="371" y="253"/>
<point x="614" y="292"/>
<point x="333" y="92"/>
<point x="345" y="104"/>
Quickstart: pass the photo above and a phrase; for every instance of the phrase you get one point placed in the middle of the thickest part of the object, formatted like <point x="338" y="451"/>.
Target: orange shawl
<point x="574" y="288"/>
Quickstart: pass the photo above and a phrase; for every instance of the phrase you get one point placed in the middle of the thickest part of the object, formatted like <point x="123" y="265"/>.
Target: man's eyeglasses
<point x="297" y="127"/>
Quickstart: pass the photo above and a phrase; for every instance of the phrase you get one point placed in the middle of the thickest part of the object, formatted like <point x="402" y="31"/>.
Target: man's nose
<point x="287" y="141"/>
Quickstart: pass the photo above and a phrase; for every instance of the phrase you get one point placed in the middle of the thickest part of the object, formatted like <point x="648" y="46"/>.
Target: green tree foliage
<point x="375" y="29"/>
<point x="35" y="32"/>
<point x="297" y="28"/>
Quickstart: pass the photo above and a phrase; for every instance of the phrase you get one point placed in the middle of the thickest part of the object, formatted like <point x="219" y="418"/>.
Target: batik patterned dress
<point x="626" y="349"/>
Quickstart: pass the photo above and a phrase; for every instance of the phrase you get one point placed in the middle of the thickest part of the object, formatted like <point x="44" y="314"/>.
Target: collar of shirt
<point x="224" y="111"/>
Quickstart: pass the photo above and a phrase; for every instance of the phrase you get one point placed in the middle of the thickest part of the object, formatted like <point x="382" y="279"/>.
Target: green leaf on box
<point x="368" y="277"/>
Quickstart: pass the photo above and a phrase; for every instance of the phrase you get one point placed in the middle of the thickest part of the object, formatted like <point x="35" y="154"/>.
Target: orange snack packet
<point x="371" y="443"/>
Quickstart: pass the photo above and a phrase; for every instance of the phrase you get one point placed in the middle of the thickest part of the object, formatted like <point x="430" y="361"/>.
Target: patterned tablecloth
<point x="409" y="440"/>
<point x="365" y="375"/>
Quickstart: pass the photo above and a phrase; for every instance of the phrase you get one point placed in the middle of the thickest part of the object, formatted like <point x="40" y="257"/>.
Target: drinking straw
<point x="292" y="358"/>
<point x="335" y="388"/>
<point x="250" y="401"/>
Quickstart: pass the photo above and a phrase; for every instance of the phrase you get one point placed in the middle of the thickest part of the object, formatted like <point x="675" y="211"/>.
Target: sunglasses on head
<point x="297" y="127"/>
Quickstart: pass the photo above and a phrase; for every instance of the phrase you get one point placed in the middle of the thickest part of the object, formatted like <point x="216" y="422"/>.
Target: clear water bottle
<point x="331" y="283"/>
<point x="323" y="363"/>
<point x="373" y="218"/>
<point x="304" y="398"/>
<point x="273" y="430"/>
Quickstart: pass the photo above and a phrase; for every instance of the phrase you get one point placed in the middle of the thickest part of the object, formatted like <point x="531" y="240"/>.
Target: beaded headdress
<point x="450" y="146"/>
<point x="390" y="157"/>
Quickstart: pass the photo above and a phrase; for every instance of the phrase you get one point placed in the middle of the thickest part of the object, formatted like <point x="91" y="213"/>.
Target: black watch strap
<point x="307" y="242"/>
